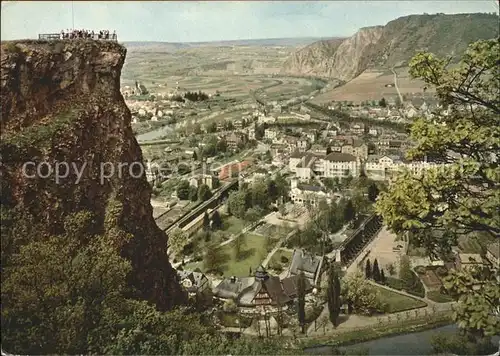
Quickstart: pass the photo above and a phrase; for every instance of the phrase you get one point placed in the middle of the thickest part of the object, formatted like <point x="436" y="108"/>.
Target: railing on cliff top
<point x="57" y="36"/>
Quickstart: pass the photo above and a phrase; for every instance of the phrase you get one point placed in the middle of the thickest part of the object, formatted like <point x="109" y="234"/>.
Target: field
<point x="252" y="254"/>
<point x="234" y="71"/>
<point x="370" y="85"/>
<point x="398" y="302"/>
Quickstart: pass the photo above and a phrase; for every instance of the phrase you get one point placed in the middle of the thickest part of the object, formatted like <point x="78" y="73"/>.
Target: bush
<point x="230" y="306"/>
<point x="284" y="259"/>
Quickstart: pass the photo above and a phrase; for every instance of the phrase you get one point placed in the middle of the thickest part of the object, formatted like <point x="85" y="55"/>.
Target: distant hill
<point x="382" y="47"/>
<point x="173" y="46"/>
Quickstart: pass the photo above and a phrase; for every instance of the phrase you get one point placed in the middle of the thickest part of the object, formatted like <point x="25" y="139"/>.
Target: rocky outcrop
<point x="382" y="47"/>
<point x="61" y="104"/>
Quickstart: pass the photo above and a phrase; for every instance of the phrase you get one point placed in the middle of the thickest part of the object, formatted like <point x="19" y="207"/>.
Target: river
<point x="418" y="343"/>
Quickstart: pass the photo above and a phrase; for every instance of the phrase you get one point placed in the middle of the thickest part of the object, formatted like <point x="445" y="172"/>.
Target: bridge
<point x="214" y="201"/>
<point x="354" y="244"/>
<point x="57" y="36"/>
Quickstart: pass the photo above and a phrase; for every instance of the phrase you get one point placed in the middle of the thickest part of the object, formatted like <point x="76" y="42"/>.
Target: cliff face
<point x="61" y="103"/>
<point x="391" y="45"/>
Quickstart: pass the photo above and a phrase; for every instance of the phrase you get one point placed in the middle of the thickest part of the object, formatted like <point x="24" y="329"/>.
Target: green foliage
<point x="376" y="271"/>
<point x="333" y="296"/>
<point x="213" y="259"/>
<point x="462" y="196"/>
<point x="368" y="270"/>
<point x="361" y="297"/>
<point x="301" y="300"/>
<point x="460" y="344"/>
<point x="216" y="221"/>
<point x="38" y="135"/>
<point x="183" y="190"/>
<point x="177" y="240"/>
<point x="204" y="192"/>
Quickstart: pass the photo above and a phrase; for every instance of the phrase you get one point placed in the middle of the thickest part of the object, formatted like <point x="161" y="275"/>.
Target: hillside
<point x="383" y="47"/>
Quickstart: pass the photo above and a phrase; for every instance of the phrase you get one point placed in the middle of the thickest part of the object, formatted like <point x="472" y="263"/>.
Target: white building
<point x="308" y="194"/>
<point x="270" y="134"/>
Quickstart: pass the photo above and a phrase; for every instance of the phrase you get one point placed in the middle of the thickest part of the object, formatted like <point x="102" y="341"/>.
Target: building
<point x="194" y="282"/>
<point x="302" y="145"/>
<point x="307" y="263"/>
<point x="304" y="194"/>
<point x="318" y="149"/>
<point x="295" y="158"/>
<point x="239" y="124"/>
<point x="211" y="181"/>
<point x="341" y="165"/>
<point x="270" y="134"/>
<point x="357" y="128"/>
<point x="358" y="149"/>
<point x="262" y="289"/>
<point x="251" y="133"/>
<point x="236" y="139"/>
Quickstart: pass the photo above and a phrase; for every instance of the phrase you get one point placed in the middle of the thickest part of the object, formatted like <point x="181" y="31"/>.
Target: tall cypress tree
<point x="382" y="276"/>
<point x="206" y="222"/>
<point x="368" y="269"/>
<point x="301" y="293"/>
<point x="333" y="295"/>
<point x="376" y="271"/>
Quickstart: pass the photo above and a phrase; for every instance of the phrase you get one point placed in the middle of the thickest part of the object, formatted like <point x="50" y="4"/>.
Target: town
<point x="256" y="196"/>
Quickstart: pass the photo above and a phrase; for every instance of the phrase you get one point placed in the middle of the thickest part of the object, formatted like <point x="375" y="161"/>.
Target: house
<point x="302" y="145"/>
<point x="357" y="128"/>
<point x="239" y="124"/>
<point x="341" y="165"/>
<point x="304" y="170"/>
<point x="311" y="265"/>
<point x="235" y="139"/>
<point x="468" y="260"/>
<point x="295" y="159"/>
<point x="194" y="282"/>
<point x="318" y="149"/>
<point x="358" y="149"/>
<point x="302" y="194"/>
<point x="336" y="145"/>
<point x="373" y="132"/>
<point x="270" y="134"/>
<point x="262" y="289"/>
<point x="221" y="125"/>
<point x="311" y="135"/>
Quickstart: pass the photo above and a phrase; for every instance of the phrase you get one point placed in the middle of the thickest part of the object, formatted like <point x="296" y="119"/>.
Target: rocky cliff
<point x="61" y="104"/>
<point x="382" y="47"/>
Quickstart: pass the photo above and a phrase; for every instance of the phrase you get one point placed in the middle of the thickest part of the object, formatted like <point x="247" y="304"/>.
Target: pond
<point x="418" y="343"/>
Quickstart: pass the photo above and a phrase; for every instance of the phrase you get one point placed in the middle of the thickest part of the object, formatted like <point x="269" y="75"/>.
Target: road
<point x="396" y="84"/>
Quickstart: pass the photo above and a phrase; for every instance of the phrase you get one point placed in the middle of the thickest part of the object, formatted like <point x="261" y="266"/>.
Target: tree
<point x="238" y="245"/>
<point x="238" y="203"/>
<point x="183" y="190"/>
<point x="349" y="212"/>
<point x="382" y="276"/>
<point x="360" y="296"/>
<point x="213" y="258"/>
<point x="373" y="192"/>
<point x="216" y="220"/>
<point x="301" y="297"/>
<point x="177" y="240"/>
<point x="376" y="271"/>
<point x="253" y="215"/>
<point x="382" y="102"/>
<point x="461" y="195"/>
<point x="368" y="270"/>
<point x="204" y="192"/>
<point x="212" y="128"/>
<point x="323" y="322"/>
<point x="193" y="193"/>
<point x="333" y="296"/>
<point x="398" y="102"/>
<point x="206" y="222"/>
<point x="195" y="156"/>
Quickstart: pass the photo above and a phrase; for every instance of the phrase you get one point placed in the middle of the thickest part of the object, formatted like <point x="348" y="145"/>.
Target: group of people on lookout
<point x="101" y="35"/>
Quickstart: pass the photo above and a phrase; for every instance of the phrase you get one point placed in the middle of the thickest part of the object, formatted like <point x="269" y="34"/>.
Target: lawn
<point x="398" y="302"/>
<point x="232" y="225"/>
<point x="253" y="252"/>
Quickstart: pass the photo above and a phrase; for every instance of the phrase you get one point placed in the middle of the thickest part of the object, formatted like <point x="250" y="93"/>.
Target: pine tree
<point x="376" y="271"/>
<point x="206" y="222"/>
<point x="368" y="269"/>
<point x="216" y="220"/>
<point x="333" y="296"/>
<point x="301" y="294"/>
<point x="382" y="276"/>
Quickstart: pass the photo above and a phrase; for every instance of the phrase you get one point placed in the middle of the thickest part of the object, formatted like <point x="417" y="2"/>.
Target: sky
<point x="192" y="21"/>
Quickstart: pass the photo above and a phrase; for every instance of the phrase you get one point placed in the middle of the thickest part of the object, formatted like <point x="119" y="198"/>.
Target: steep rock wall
<point x="61" y="103"/>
